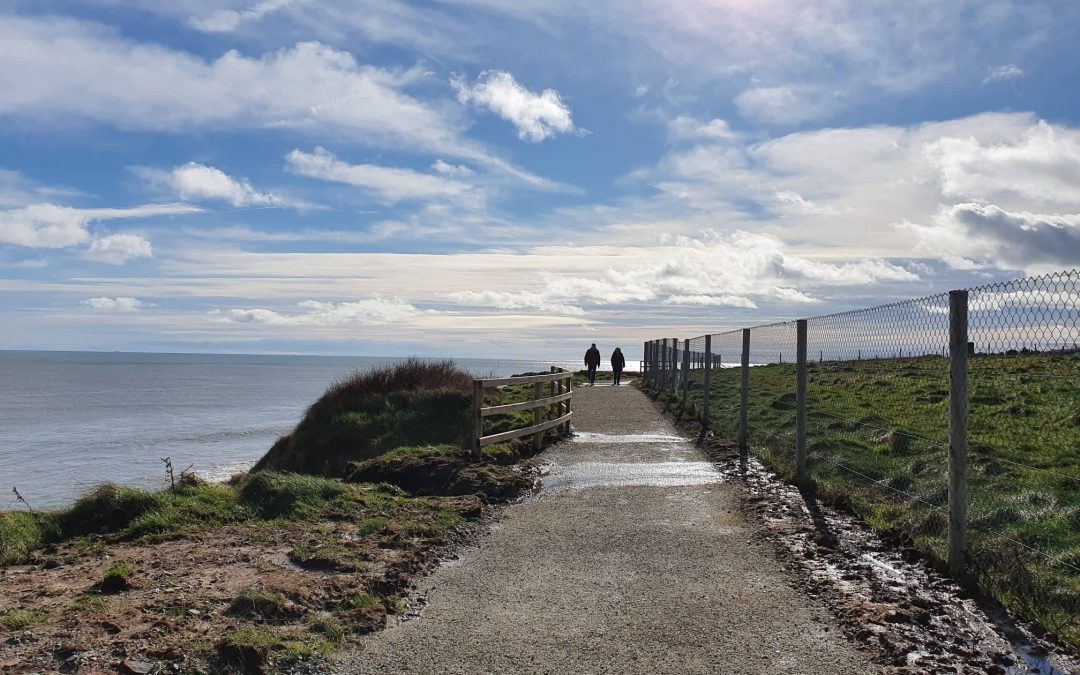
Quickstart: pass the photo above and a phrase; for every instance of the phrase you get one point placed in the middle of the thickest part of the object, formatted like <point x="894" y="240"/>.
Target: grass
<point x="409" y="403"/>
<point x="260" y="604"/>
<point x="117" y="578"/>
<point x="878" y="445"/>
<point x="262" y="498"/>
<point x="20" y="620"/>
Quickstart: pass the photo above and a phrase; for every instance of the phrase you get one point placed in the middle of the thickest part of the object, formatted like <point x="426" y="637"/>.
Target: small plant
<point x="169" y="472"/>
<point x="21" y="500"/>
<point x="117" y="578"/>
<point x="333" y="631"/>
<point x="90" y="602"/>
<point x="247" y="649"/>
<point x="20" y="620"/>
<point x="259" y="604"/>
<point x="363" y="601"/>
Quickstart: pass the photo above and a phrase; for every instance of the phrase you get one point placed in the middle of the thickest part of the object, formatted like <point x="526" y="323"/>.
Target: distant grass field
<point x="878" y="445"/>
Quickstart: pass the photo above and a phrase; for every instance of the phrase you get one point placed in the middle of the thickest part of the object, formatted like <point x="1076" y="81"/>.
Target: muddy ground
<point x="180" y="602"/>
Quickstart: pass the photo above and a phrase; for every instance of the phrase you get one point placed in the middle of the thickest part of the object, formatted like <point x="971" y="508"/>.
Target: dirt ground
<point x="181" y="598"/>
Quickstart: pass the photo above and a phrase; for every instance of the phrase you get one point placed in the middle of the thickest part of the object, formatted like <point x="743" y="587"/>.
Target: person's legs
<point x="592" y="375"/>
<point x="616" y="374"/>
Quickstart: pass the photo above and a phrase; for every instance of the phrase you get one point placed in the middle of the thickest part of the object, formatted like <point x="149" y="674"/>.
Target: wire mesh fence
<point x="885" y="388"/>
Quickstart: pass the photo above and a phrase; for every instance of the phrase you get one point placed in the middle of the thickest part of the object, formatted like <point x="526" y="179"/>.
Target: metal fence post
<point x="958" y="412"/>
<point x="652" y="362"/>
<point x="744" y="398"/>
<point x="661" y="358"/>
<point x="674" y="356"/>
<point x="644" y="359"/>
<point x="706" y="361"/>
<point x="800" y="402"/>
<point x="686" y="369"/>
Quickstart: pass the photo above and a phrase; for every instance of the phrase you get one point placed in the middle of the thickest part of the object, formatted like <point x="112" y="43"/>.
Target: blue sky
<point x="518" y="177"/>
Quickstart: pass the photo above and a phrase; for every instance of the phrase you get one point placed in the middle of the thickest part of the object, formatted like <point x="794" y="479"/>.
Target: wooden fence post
<point x="744" y="399"/>
<point x="686" y="369"/>
<point x="958" y="413"/>
<point x="569" y="403"/>
<point x="538" y="416"/>
<point x="706" y="363"/>
<point x="800" y="402"/>
<point x="478" y="420"/>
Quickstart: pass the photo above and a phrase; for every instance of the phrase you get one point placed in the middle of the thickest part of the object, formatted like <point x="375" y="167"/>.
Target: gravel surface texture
<point x="634" y="559"/>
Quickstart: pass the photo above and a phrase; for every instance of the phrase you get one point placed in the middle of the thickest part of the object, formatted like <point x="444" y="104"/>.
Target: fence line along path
<point x="633" y="559"/>
<point x="953" y="418"/>
<point x="557" y="403"/>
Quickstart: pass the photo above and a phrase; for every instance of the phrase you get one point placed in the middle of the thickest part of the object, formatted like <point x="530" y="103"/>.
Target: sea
<point x="70" y="421"/>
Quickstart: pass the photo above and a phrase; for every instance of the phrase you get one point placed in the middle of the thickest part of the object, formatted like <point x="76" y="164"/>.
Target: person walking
<point x="618" y="362"/>
<point x="592" y="362"/>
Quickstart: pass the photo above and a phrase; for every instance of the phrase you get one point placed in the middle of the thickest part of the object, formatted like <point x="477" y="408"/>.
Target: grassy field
<point x="878" y="445"/>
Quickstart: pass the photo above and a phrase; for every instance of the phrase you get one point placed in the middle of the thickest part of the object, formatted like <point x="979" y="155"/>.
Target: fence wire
<point x="878" y="405"/>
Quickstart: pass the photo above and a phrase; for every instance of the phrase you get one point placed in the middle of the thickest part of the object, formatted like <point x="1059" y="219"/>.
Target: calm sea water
<point x="72" y="420"/>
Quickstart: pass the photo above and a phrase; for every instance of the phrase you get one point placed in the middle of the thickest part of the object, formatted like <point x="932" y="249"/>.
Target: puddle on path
<point x="580" y="475"/>
<point x="589" y="437"/>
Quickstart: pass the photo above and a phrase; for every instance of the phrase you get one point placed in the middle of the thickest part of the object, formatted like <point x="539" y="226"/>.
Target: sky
<point x="518" y="178"/>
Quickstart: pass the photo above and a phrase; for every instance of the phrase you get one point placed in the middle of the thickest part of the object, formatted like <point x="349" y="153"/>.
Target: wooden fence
<point x="560" y="384"/>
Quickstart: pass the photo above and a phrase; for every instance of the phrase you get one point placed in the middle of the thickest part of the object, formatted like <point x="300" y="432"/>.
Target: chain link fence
<point x="950" y="422"/>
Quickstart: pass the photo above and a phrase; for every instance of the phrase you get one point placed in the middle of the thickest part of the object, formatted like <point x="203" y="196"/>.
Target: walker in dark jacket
<point x="592" y="360"/>
<point x="618" y="362"/>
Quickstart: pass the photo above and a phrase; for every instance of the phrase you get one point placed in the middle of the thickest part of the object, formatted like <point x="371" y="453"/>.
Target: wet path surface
<point x="635" y="558"/>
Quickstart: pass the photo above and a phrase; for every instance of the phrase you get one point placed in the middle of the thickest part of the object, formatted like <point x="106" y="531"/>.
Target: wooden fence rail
<point x="560" y="384"/>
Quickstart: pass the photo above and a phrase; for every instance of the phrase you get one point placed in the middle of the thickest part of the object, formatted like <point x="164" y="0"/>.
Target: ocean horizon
<point x="71" y="420"/>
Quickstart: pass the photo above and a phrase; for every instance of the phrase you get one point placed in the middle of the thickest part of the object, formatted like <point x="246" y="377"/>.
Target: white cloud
<point x="735" y="270"/>
<point x="451" y="169"/>
<point x="371" y="311"/>
<point x="993" y="235"/>
<point x="52" y="73"/>
<point x="193" y="181"/>
<point x="842" y="190"/>
<point x="1007" y="72"/>
<point x="118" y="304"/>
<point x="1040" y="166"/>
<point x="689" y="128"/>
<point x="536" y="116"/>
<point x="784" y="105"/>
<point x="536" y="300"/>
<point x="389" y="184"/>
<point x="226" y="20"/>
<point x="51" y="226"/>
<point x="117" y="249"/>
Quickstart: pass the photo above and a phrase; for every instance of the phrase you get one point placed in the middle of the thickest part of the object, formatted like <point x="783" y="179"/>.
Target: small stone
<point x="136" y="667"/>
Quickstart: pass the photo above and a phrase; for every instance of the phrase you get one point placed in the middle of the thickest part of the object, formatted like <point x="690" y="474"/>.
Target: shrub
<point x="410" y="403"/>
<point x="109" y="507"/>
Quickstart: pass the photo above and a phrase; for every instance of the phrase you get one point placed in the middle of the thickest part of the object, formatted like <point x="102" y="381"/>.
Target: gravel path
<point x="634" y="559"/>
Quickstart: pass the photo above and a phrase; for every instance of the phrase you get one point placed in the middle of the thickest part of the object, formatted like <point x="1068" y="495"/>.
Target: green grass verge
<point x="263" y="497"/>
<point x="878" y="445"/>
